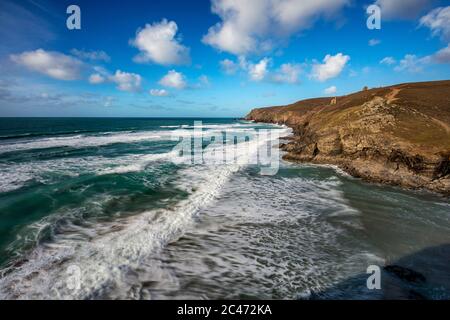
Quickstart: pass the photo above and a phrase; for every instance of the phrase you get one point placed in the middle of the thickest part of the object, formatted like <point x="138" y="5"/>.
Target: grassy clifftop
<point x="398" y="135"/>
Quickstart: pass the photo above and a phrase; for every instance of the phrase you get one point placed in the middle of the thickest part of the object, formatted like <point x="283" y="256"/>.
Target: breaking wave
<point x="107" y="253"/>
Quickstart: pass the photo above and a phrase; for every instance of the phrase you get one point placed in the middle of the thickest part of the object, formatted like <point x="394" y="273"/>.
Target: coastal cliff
<point x="397" y="135"/>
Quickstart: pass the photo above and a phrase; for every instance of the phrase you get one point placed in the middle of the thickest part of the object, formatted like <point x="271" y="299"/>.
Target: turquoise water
<point x="104" y="197"/>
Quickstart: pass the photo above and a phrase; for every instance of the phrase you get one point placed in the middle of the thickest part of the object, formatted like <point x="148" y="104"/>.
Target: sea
<point x="114" y="208"/>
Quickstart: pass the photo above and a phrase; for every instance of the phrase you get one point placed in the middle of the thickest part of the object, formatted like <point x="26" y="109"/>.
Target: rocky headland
<point x="397" y="135"/>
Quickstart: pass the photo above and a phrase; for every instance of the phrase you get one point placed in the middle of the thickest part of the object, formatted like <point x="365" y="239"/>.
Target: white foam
<point x="106" y="258"/>
<point x="11" y="179"/>
<point x="16" y="176"/>
<point x="107" y="138"/>
<point x="81" y="141"/>
<point x="263" y="227"/>
<point x="222" y="126"/>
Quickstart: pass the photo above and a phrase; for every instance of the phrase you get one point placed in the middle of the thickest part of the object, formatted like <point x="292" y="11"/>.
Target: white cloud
<point x="331" y="67"/>
<point x="96" y="78"/>
<point x="443" y="55"/>
<point x="258" y="72"/>
<point x="125" y="81"/>
<point x="438" y="21"/>
<point x="255" y="25"/>
<point x="236" y="33"/>
<point x="158" y="44"/>
<point x="288" y="73"/>
<point x="91" y="55"/>
<point x="330" y="90"/>
<point x="412" y="63"/>
<point x="243" y="63"/>
<point x="388" y="61"/>
<point x="374" y="42"/>
<point x="101" y="71"/>
<point x="173" y="79"/>
<point x="294" y="14"/>
<point x="52" y="64"/>
<point x="228" y="66"/>
<point x="402" y="9"/>
<point x="159" y="92"/>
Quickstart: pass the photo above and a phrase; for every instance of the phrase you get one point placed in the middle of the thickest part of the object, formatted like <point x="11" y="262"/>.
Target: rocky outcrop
<point x="398" y="135"/>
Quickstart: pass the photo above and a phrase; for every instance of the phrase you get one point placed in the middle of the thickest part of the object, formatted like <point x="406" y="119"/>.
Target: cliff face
<point x="398" y="135"/>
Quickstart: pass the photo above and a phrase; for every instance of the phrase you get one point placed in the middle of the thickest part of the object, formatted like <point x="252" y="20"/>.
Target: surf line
<point x="201" y="311"/>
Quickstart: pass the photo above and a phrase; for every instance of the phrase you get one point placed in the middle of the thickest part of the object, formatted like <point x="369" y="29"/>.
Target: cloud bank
<point x="402" y="9"/>
<point x="53" y="64"/>
<point x="253" y="26"/>
<point x="438" y="21"/>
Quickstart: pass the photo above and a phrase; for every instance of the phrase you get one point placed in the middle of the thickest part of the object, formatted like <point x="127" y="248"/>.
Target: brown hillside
<point x="397" y="135"/>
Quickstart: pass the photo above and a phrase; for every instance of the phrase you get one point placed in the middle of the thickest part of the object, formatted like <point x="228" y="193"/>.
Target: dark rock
<point x="405" y="274"/>
<point x="443" y="168"/>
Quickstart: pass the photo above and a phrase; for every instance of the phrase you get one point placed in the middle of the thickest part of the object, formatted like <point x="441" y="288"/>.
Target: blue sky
<point x="205" y="58"/>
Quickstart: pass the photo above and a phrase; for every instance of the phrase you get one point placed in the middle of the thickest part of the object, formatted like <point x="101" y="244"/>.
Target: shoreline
<point x="348" y="169"/>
